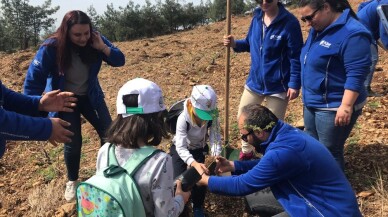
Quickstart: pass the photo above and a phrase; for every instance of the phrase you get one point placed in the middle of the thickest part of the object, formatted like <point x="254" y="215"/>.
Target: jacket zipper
<point x="305" y="199"/>
<point x="326" y="82"/>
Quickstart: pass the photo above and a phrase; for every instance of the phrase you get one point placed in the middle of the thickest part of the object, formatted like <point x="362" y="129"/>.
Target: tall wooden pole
<point x="227" y="72"/>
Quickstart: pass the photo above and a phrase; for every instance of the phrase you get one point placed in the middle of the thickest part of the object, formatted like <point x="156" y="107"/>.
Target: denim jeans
<point x="375" y="58"/>
<point x="320" y="125"/>
<point x="100" y="119"/>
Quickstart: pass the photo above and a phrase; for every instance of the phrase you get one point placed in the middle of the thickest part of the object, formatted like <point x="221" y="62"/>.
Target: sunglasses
<point x="310" y="17"/>
<point x="260" y="2"/>
<point x="244" y="137"/>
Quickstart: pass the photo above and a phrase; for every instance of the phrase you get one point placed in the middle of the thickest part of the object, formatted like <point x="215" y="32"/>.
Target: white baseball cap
<point x="204" y="100"/>
<point x="150" y="99"/>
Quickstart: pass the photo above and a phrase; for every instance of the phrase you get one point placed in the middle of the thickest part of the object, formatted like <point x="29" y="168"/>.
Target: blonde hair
<point x="190" y="110"/>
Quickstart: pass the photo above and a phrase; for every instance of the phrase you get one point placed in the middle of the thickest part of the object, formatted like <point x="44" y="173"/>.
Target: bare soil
<point x="33" y="175"/>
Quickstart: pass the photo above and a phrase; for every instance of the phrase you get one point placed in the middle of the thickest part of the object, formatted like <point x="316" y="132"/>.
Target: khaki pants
<point x="277" y="105"/>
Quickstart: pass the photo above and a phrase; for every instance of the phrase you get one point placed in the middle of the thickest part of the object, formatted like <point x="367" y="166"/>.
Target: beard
<point x="257" y="143"/>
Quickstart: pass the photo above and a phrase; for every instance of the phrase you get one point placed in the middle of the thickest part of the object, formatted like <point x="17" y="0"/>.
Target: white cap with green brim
<point x="150" y="99"/>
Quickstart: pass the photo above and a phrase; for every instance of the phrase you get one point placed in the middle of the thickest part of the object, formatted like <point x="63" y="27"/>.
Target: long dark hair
<point x="64" y="45"/>
<point x="128" y="131"/>
<point x="336" y="5"/>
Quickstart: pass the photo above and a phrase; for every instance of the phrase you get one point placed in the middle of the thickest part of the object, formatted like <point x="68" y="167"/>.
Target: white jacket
<point x="195" y="137"/>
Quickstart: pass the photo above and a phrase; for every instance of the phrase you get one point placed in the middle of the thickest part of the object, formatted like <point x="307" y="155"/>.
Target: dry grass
<point x="381" y="191"/>
<point x="44" y="199"/>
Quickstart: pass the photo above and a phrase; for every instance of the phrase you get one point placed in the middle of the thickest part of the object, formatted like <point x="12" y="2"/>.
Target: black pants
<point x="264" y="204"/>
<point x="198" y="193"/>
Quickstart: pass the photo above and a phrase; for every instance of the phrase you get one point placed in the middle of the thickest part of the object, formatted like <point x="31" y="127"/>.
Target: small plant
<point x="374" y="104"/>
<point x="235" y="131"/>
<point x="48" y="173"/>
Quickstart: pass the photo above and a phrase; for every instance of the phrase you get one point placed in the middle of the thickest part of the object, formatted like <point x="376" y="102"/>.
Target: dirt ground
<point x="33" y="175"/>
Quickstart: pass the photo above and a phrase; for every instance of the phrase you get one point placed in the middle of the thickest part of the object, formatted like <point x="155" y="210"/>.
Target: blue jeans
<point x="375" y="58"/>
<point x="100" y="119"/>
<point x="320" y="125"/>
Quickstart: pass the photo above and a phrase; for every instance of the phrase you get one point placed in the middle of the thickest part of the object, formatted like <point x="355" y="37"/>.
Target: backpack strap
<point x="133" y="163"/>
<point x="139" y="157"/>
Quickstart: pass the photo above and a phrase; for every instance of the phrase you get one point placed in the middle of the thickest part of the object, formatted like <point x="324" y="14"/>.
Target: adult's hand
<point x="59" y="133"/>
<point x="292" y="94"/>
<point x="179" y="191"/>
<point x="344" y="113"/>
<point x="56" y="101"/>
<point x="223" y="165"/>
<point x="99" y="44"/>
<point x="229" y="41"/>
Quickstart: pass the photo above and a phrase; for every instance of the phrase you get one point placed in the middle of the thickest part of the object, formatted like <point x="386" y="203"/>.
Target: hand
<point x="98" y="43"/>
<point x="56" y="101"/>
<point x="204" y="180"/>
<point x="224" y="165"/>
<point x="229" y="41"/>
<point x="292" y="94"/>
<point x="344" y="113"/>
<point x="178" y="191"/>
<point x="59" y="133"/>
<point x="200" y="167"/>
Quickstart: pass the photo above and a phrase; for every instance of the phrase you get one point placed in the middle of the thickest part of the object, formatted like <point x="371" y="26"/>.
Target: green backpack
<point x="114" y="192"/>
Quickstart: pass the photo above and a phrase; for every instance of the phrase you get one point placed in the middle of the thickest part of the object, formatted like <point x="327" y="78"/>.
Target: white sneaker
<point x="70" y="190"/>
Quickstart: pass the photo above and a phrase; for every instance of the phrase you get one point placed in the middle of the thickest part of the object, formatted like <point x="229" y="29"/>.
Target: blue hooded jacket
<point x="14" y="122"/>
<point x="42" y="74"/>
<point x="275" y="64"/>
<point x="302" y="174"/>
<point x="336" y="59"/>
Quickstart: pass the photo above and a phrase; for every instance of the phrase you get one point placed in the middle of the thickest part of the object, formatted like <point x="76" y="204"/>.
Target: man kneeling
<point x="301" y="172"/>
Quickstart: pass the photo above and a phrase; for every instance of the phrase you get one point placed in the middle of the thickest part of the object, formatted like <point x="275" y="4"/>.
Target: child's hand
<point x="200" y="167"/>
<point x="179" y="191"/>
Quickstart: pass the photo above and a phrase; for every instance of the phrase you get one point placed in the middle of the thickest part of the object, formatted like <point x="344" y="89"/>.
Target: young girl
<point x="140" y="122"/>
<point x="189" y="144"/>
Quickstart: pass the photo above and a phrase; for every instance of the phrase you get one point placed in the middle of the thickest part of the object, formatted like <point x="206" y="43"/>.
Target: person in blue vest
<point x="302" y="174"/>
<point x="70" y="60"/>
<point x="274" y="41"/>
<point x="368" y="16"/>
<point x="19" y="116"/>
<point x="335" y="61"/>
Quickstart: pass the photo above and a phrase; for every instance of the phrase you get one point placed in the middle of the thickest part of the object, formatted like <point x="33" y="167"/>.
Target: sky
<point x="99" y="5"/>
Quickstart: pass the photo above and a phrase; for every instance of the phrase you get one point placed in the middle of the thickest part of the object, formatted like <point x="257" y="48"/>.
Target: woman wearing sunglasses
<point x="335" y="61"/>
<point x="274" y="40"/>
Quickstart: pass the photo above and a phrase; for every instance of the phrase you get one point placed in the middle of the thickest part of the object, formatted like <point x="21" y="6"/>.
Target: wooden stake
<point x="227" y="80"/>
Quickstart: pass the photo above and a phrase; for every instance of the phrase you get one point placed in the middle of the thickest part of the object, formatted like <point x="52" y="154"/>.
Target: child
<point x="189" y="144"/>
<point x="140" y="122"/>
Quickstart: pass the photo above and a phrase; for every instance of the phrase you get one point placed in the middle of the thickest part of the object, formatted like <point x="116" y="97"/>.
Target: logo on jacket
<point x="325" y="44"/>
<point x="276" y="37"/>
<point x="36" y="62"/>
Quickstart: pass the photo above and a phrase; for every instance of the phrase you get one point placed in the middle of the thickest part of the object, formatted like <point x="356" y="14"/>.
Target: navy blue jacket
<point x="275" y="64"/>
<point x="302" y="174"/>
<point x="42" y="74"/>
<point x="336" y="59"/>
<point x="14" y="122"/>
